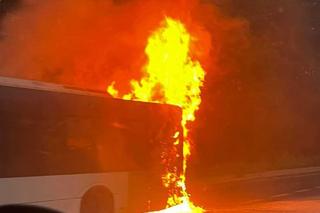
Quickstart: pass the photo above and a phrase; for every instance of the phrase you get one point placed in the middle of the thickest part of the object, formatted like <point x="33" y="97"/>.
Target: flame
<point x="171" y="77"/>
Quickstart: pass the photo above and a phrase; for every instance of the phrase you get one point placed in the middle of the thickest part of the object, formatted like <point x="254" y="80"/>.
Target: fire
<point x="171" y="76"/>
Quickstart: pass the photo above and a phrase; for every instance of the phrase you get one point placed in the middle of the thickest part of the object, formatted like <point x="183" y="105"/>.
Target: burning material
<point x="171" y="77"/>
<point x="181" y="208"/>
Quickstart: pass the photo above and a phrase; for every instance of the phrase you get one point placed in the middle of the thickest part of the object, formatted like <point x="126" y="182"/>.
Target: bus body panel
<point x="62" y="192"/>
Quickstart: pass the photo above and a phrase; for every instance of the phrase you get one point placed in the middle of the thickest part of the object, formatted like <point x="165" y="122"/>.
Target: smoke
<point x="260" y="62"/>
<point x="90" y="43"/>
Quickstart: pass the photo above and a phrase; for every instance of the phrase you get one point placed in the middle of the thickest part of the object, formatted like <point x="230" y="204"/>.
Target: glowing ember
<point x="171" y="77"/>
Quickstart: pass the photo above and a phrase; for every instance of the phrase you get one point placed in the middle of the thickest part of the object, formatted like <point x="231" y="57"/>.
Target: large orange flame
<point x="171" y="77"/>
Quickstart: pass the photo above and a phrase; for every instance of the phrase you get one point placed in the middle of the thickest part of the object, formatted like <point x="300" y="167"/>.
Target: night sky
<point x="262" y="111"/>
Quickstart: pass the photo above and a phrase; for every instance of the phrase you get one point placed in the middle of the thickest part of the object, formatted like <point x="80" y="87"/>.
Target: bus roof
<point x="58" y="88"/>
<point x="44" y="86"/>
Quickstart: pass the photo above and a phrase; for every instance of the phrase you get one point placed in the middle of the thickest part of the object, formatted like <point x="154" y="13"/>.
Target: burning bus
<point x="82" y="151"/>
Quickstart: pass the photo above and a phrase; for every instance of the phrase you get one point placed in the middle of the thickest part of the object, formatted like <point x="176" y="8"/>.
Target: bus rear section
<point x="79" y="151"/>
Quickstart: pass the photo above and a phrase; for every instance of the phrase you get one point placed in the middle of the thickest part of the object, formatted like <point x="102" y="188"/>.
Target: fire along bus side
<point x="80" y="151"/>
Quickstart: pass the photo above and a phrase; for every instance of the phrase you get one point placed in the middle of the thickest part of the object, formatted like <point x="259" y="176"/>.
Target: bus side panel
<point x="146" y="192"/>
<point x="62" y="192"/>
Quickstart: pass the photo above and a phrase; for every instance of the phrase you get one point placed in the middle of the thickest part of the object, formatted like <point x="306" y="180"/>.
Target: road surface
<point x="294" y="191"/>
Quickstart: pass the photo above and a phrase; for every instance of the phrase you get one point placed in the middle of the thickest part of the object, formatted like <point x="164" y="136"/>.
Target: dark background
<point x="262" y="112"/>
<point x="265" y="115"/>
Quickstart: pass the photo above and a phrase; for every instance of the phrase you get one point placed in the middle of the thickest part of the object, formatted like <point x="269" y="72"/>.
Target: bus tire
<point x="98" y="199"/>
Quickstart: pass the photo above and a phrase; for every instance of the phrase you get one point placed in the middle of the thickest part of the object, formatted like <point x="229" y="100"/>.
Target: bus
<point x="81" y="151"/>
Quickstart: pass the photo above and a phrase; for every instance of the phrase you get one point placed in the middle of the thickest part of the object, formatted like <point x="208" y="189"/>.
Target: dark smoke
<point x="264" y="113"/>
<point x="261" y="96"/>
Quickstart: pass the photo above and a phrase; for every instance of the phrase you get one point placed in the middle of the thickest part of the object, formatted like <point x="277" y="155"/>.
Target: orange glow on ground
<point x="171" y="77"/>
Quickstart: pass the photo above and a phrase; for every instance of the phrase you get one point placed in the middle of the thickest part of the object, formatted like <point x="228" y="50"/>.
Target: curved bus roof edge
<point x="52" y="87"/>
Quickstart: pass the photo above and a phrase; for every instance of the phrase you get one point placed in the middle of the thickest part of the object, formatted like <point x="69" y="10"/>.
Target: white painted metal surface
<point x="62" y="192"/>
<point x="44" y="86"/>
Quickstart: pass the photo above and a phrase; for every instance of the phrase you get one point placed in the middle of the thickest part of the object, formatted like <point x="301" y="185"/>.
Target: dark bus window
<point x="46" y="133"/>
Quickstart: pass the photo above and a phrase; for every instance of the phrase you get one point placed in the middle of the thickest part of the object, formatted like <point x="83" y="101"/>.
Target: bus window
<point x="72" y="145"/>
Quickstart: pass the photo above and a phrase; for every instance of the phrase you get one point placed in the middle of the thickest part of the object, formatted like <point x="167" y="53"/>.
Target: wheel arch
<point x="97" y="198"/>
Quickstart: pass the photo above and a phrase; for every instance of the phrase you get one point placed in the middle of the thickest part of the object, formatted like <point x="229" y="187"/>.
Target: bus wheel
<point x="97" y="199"/>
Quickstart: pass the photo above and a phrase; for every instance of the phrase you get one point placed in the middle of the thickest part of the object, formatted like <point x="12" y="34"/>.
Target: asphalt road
<point x="295" y="190"/>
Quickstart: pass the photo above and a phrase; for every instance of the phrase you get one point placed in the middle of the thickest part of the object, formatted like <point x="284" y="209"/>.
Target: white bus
<point x="80" y="151"/>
